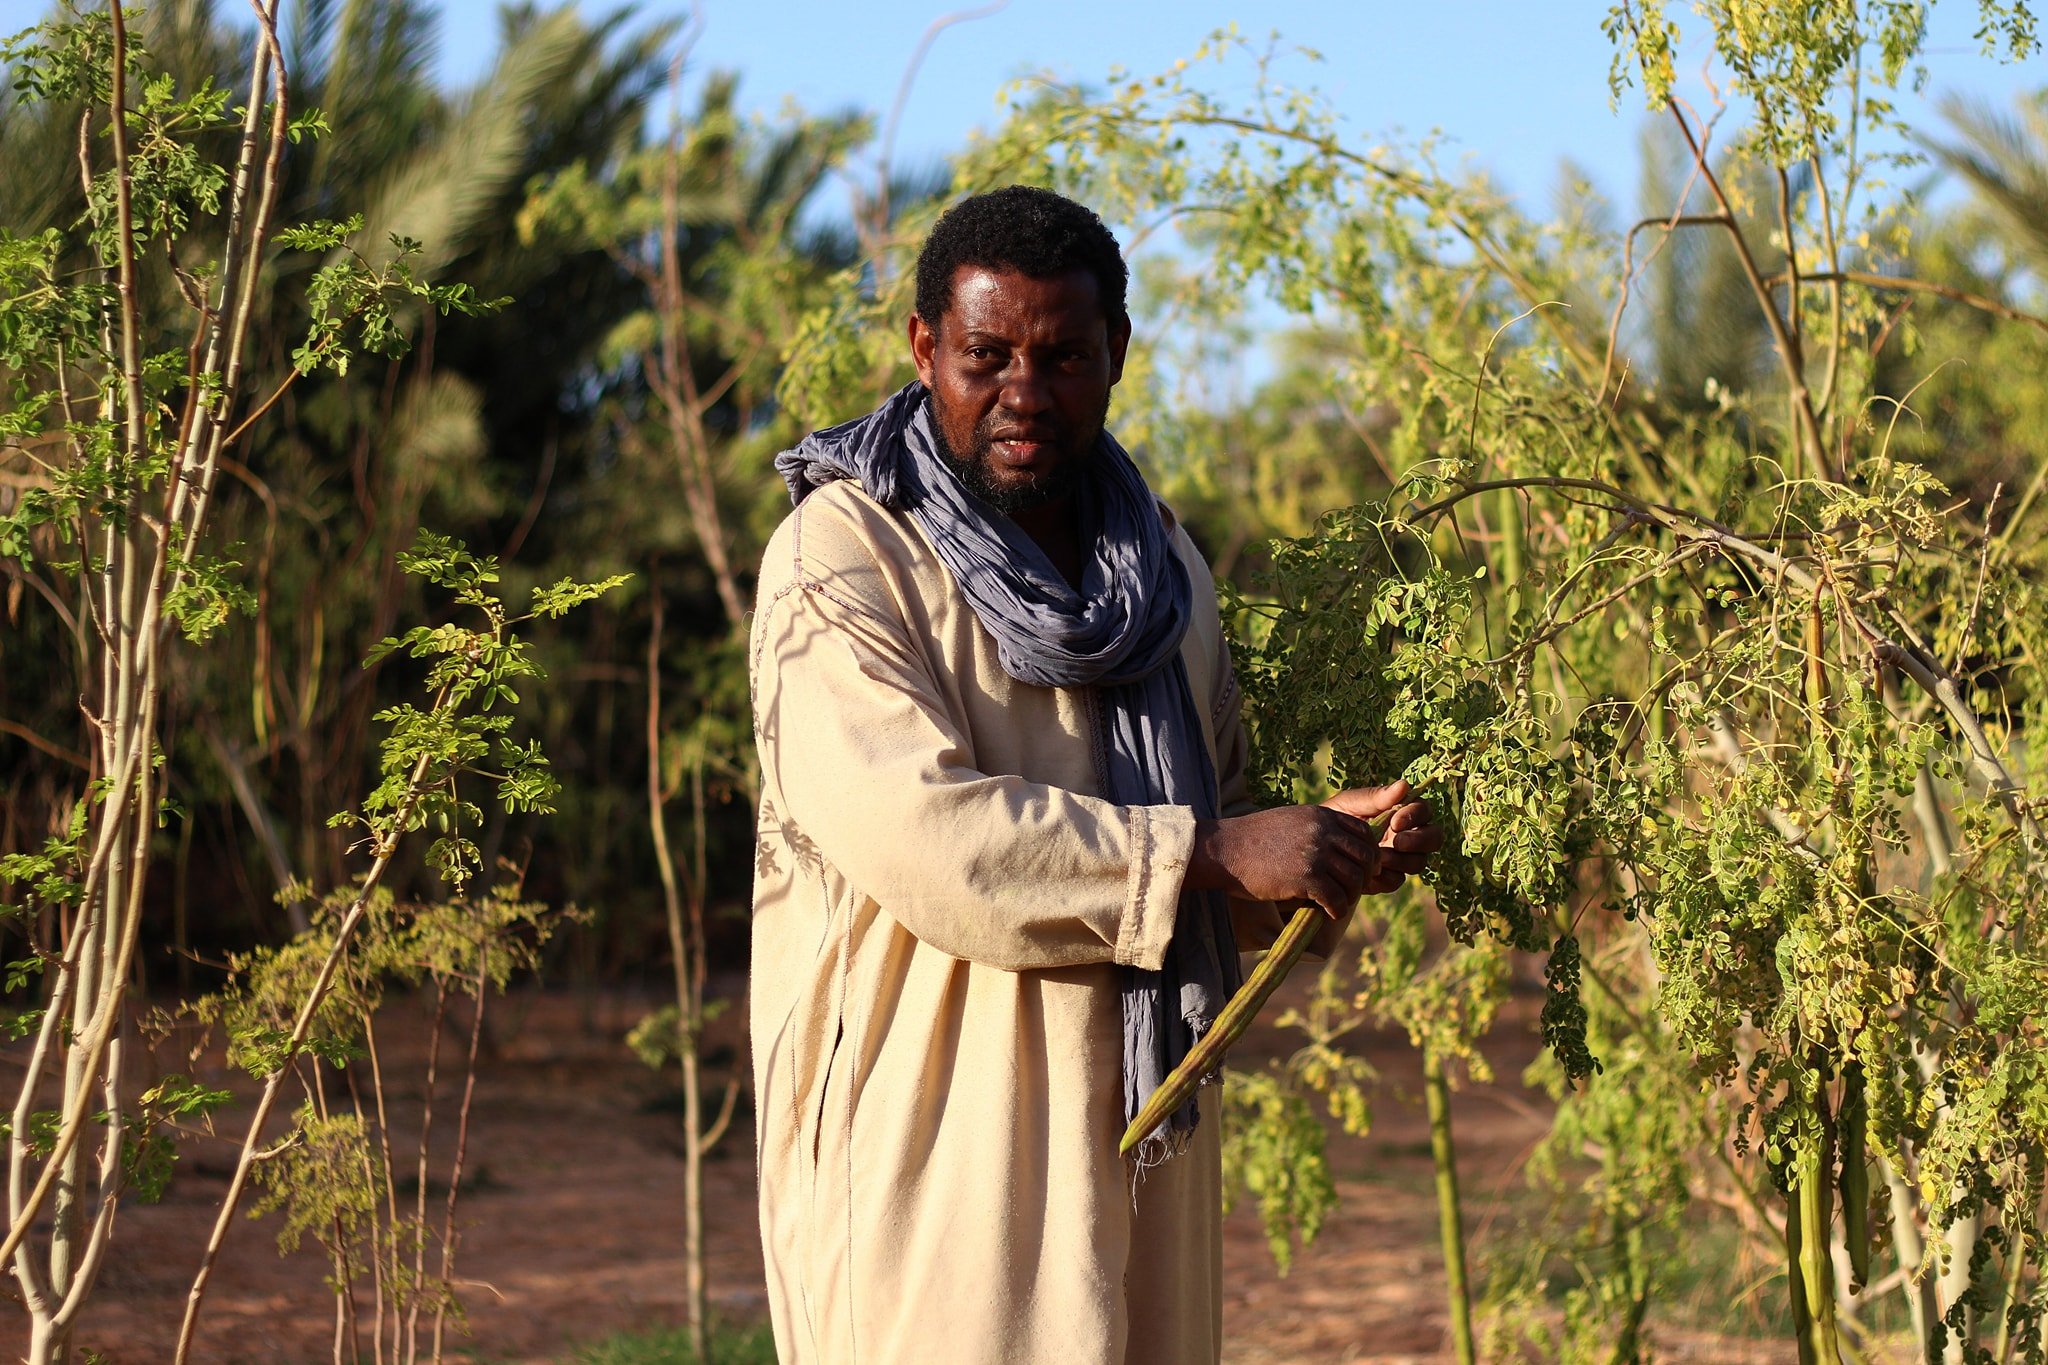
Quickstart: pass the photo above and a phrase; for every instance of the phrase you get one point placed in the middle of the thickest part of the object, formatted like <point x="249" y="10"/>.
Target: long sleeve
<point x="860" y="736"/>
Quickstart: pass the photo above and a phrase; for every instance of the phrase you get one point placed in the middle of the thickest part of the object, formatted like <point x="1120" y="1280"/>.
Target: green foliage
<point x="206" y="595"/>
<point x="324" y="1179"/>
<point x="1722" y="698"/>
<point x="705" y="223"/>
<point x="53" y="316"/>
<point x="1634" y="618"/>
<point x="1616" y="1170"/>
<point x="551" y="604"/>
<point x="730" y="1345"/>
<point x="427" y="751"/>
<point x="173" y="178"/>
<point x="330" y="1175"/>
<point x="57" y="61"/>
<point x="659" y="1038"/>
<point x="327" y="484"/>
<point x="39" y="1134"/>
<point x="354" y="291"/>
<point x="148" y="1154"/>
<point x="125" y="301"/>
<point x="481" y="941"/>
<point x="50" y="873"/>
<point x="1796" y="63"/>
<point x="296" y="1006"/>
<point x="1273" y="1147"/>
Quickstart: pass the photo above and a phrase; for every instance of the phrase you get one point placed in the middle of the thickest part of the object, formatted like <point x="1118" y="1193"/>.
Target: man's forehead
<point x="1004" y="299"/>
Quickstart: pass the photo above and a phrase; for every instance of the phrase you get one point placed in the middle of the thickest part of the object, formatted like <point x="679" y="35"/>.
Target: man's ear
<point x="924" y="342"/>
<point x="1119" y="343"/>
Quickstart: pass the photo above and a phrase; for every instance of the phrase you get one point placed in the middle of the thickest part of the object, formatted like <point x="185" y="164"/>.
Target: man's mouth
<point x="1017" y="468"/>
<point x="1022" y="448"/>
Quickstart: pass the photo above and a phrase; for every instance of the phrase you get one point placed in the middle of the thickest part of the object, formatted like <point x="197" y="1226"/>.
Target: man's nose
<point x="1025" y="390"/>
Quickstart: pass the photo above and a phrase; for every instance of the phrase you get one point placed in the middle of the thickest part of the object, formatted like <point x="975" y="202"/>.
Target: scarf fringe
<point x="1165" y="1143"/>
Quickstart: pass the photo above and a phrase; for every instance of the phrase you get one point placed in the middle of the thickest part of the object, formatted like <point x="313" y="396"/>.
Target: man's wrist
<point x="1206" y="869"/>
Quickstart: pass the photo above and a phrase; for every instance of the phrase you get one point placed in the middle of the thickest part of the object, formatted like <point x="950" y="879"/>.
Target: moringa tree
<point x="1727" y="700"/>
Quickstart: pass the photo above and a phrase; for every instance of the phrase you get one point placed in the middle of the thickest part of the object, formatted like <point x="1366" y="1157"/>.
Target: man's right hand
<point x="1329" y="854"/>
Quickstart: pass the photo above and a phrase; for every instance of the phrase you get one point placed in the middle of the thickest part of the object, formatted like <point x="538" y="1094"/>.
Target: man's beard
<point x="976" y="465"/>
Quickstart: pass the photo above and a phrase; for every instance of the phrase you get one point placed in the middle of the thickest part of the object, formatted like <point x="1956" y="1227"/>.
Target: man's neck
<point x="1053" y="527"/>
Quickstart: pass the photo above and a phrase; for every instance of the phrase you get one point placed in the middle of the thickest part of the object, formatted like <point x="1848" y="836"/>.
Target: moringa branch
<point x="1926" y="673"/>
<point x="1908" y="285"/>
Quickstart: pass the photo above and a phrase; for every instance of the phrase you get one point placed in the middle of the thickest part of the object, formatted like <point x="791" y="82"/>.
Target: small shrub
<point x="730" y="1345"/>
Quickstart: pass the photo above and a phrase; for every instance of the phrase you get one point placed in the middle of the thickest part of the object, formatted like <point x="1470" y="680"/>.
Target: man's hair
<point x="1023" y="228"/>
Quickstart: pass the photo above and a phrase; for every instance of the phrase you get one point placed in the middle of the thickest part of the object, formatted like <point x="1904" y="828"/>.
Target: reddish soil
<point x="575" y="1229"/>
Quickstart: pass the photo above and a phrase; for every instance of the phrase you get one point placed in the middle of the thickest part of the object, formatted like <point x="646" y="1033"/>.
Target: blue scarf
<point x="1120" y="634"/>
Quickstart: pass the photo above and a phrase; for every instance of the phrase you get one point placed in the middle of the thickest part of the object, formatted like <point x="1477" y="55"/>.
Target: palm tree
<point x="334" y="481"/>
<point x="538" y="431"/>
<point x="2003" y="157"/>
<point x="1986" y="422"/>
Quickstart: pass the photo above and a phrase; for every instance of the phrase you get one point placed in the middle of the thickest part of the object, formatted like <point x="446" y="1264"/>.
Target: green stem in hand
<point x="1230" y="1025"/>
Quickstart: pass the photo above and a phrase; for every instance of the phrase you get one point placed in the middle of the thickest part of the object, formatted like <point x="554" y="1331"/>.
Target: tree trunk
<point x="1918" y="1289"/>
<point x="688" y="993"/>
<point x="1450" y="1214"/>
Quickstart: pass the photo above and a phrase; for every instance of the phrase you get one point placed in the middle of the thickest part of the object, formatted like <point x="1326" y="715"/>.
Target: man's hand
<point x="1405" y="841"/>
<point x="1329" y="854"/>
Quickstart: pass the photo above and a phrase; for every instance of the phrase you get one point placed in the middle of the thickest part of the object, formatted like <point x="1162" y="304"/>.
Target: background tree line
<point x="618" y="414"/>
<point x="598" y="417"/>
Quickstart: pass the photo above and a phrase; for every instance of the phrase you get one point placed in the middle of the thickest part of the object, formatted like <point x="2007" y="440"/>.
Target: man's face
<point x="1020" y="372"/>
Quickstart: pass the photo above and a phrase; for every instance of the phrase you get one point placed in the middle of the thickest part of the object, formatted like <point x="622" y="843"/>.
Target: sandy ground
<point x="575" y="1228"/>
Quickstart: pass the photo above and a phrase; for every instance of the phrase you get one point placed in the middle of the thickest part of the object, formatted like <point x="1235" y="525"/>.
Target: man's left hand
<point x="1406" y="839"/>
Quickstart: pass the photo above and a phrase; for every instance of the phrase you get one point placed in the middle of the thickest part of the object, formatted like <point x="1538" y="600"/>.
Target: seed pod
<point x="1855" y="1180"/>
<point x="1817" y="691"/>
<point x="1795" y="1280"/>
<point x="1237" y="1015"/>
<point x="1815" y="1272"/>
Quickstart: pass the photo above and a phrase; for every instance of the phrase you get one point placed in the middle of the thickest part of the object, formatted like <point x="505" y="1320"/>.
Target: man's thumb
<point x="1370" y="803"/>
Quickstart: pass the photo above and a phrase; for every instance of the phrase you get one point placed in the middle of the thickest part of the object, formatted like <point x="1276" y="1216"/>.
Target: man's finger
<point x="1349" y="873"/>
<point x="1414" y="814"/>
<point x="1337" y="900"/>
<point x="1369" y="803"/>
<point x="1360" y="845"/>
<point x="1426" y="839"/>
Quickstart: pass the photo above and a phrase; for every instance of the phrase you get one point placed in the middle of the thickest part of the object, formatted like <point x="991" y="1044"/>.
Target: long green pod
<point x="1855" y="1185"/>
<point x="1813" y="1194"/>
<point x="1795" y="1279"/>
<point x="1816" y="1269"/>
<point x="1230" y="1025"/>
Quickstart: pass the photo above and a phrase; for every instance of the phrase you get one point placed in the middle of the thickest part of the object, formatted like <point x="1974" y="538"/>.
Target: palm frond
<point x="440" y="195"/>
<point x="2003" y="157"/>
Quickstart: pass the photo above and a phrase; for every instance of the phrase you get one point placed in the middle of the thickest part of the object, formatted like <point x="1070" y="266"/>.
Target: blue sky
<point x="1517" y="85"/>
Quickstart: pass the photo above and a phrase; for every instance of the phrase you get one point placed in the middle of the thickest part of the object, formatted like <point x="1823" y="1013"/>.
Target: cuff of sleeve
<point x="1162" y="840"/>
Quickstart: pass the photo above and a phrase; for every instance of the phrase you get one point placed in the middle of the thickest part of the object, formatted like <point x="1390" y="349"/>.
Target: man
<point x="1005" y="865"/>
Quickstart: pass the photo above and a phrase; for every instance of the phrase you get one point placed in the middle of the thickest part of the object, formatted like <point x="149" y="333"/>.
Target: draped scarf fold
<point x="1120" y="634"/>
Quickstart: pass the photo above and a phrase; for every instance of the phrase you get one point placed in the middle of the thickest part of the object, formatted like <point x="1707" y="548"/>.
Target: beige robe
<point x="940" y="902"/>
